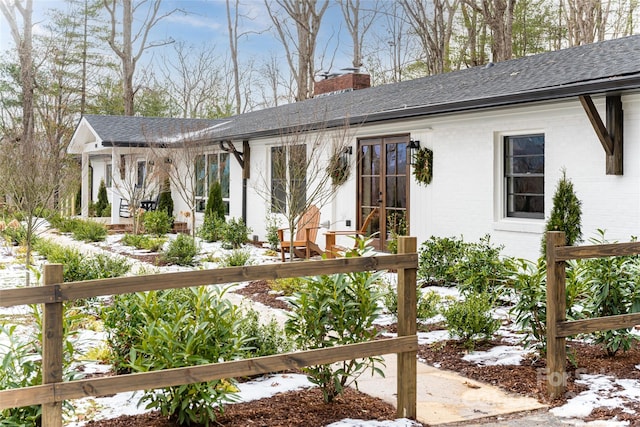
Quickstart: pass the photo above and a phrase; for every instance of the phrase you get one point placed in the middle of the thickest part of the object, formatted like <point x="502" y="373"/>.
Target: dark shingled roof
<point x="602" y="67"/>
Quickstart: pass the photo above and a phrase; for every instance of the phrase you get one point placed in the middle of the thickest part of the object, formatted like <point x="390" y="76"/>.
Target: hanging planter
<point x="423" y="166"/>
<point x="338" y="168"/>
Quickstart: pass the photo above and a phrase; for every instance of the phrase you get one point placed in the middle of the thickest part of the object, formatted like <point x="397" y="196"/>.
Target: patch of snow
<point x="267" y="386"/>
<point x="604" y="391"/>
<point x="499" y="355"/>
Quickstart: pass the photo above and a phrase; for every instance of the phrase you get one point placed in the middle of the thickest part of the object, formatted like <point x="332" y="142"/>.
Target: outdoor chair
<point x="124" y="209"/>
<point x="304" y="242"/>
<point x="334" y="250"/>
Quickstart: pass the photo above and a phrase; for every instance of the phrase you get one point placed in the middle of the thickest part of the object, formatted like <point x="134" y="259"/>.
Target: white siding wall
<point x="465" y="198"/>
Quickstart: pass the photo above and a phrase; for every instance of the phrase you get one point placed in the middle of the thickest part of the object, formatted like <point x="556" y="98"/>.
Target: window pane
<point x="200" y="175"/>
<point x="108" y="176"/>
<point x="278" y="179"/>
<point x="212" y="173"/>
<point x="391" y="150"/>
<point x="366" y="160"/>
<point x="391" y="197"/>
<point x="401" y="191"/>
<point x="298" y="176"/>
<point x="224" y="176"/>
<point x="402" y="157"/>
<point x="142" y="168"/>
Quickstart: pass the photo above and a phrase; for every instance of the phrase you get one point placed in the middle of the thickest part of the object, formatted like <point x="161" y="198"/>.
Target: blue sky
<point x="206" y="22"/>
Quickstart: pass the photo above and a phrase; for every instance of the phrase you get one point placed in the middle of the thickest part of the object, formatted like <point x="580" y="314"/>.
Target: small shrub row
<point x="142" y="241"/>
<point x="78" y="266"/>
<point x="84" y="230"/>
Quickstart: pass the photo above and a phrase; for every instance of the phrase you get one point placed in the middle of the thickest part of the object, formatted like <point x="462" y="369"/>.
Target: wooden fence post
<point x="407" y="325"/>
<point x="556" y="312"/>
<point x="52" y="342"/>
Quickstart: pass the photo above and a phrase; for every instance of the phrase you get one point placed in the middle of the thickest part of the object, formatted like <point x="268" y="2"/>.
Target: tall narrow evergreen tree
<point x="103" y="200"/>
<point x="165" y="202"/>
<point x="215" y="204"/>
<point x="566" y="214"/>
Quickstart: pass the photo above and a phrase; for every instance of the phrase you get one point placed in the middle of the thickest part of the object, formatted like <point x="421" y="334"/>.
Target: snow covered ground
<point x="602" y="390"/>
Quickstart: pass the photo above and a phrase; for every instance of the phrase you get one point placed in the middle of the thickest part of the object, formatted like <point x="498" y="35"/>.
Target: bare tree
<point x="358" y="22"/>
<point x="433" y="23"/>
<point x="586" y="20"/>
<point x="232" y="26"/>
<point x="130" y="41"/>
<point x="298" y="177"/>
<point x="498" y="14"/>
<point x="301" y="44"/>
<point x="192" y="78"/>
<point x="31" y="178"/>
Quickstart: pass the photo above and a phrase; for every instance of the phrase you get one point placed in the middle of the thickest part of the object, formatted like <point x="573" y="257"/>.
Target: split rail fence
<point x="558" y="328"/>
<point x="54" y="293"/>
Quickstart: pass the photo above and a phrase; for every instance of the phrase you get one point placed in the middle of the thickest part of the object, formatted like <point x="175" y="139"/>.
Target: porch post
<point x="84" y="210"/>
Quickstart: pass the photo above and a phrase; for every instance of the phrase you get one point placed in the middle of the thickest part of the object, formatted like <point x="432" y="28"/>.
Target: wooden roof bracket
<point x="611" y="134"/>
<point x="241" y="156"/>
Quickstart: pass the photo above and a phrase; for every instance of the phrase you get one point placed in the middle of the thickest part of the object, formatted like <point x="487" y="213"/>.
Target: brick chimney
<point x="341" y="83"/>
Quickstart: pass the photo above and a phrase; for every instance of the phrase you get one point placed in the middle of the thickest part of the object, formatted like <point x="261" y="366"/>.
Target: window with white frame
<point x="524" y="176"/>
<point x="210" y="168"/>
<point x="288" y="177"/>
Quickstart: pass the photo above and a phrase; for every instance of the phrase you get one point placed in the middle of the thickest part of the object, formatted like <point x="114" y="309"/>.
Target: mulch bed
<point x="306" y="407"/>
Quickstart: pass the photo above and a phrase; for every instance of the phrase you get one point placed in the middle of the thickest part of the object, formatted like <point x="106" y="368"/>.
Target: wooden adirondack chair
<point x="334" y="250"/>
<point x="305" y="238"/>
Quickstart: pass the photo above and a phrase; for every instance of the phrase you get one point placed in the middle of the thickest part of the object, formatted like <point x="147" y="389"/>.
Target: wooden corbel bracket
<point x="241" y="156"/>
<point x="611" y="134"/>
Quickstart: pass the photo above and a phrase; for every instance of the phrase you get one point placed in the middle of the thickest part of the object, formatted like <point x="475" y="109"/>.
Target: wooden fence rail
<point x="53" y="293"/>
<point x="558" y="328"/>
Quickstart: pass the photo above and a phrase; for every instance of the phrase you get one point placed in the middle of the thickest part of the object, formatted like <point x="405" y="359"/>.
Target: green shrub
<point x="90" y="231"/>
<point x="103" y="201"/>
<point x="287" y="286"/>
<point x="14" y="233"/>
<point x="470" y="319"/>
<point x="481" y="269"/>
<point x="212" y="229"/>
<point x="142" y="241"/>
<point x="335" y="310"/>
<point x="428" y="303"/>
<point x="77" y="266"/>
<point x="165" y="202"/>
<point x="236" y="258"/>
<point x="65" y="224"/>
<point x="613" y="291"/>
<point x="438" y="257"/>
<point x="235" y="233"/>
<point x="186" y="327"/>
<point x="273" y="224"/>
<point x="263" y="339"/>
<point x="157" y="222"/>
<point x="530" y="284"/>
<point x="215" y="205"/>
<point x="22" y="366"/>
<point x="181" y="251"/>
<point x="566" y="213"/>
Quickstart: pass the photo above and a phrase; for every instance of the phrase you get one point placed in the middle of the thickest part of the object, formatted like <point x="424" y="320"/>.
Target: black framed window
<point x="524" y="176"/>
<point x="288" y="178"/>
<point x="210" y="168"/>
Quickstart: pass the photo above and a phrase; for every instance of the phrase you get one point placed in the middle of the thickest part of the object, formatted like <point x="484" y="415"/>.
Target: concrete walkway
<point x="444" y="397"/>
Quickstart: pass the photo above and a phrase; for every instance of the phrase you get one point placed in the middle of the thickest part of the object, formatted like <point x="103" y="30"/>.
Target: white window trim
<point x="501" y="222"/>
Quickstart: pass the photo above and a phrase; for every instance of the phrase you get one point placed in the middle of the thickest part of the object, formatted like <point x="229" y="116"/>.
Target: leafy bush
<point x="77" y="266"/>
<point x="287" y="286"/>
<point x="236" y="258"/>
<point x="187" y="327"/>
<point x="470" y="319"/>
<point x="613" y="291"/>
<point x="89" y="231"/>
<point x="481" y="269"/>
<point x="182" y="250"/>
<point x="438" y="257"/>
<point x="22" y="366"/>
<point x="212" y="229"/>
<point x="428" y="304"/>
<point x="335" y="310"/>
<point x="273" y="224"/>
<point x="157" y="222"/>
<point x="235" y="233"/>
<point x="263" y="339"/>
<point x="65" y="224"/>
<point x="13" y="232"/>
